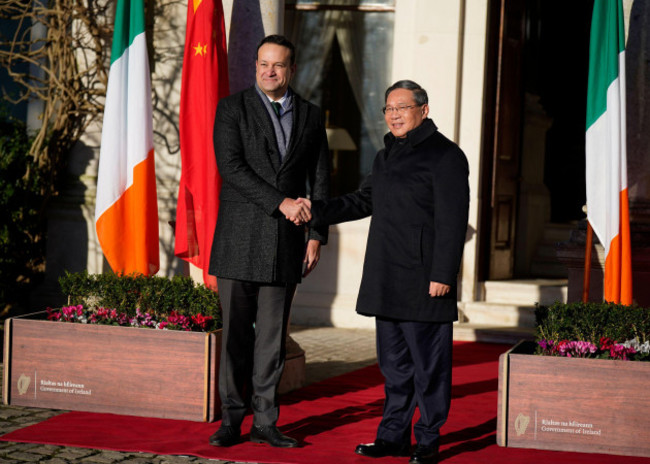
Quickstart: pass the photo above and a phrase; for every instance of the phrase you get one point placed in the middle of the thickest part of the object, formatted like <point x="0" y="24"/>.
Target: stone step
<point x="546" y="251"/>
<point x="545" y="262"/>
<point x="548" y="268"/>
<point x="526" y="292"/>
<point x="554" y="233"/>
<point x="498" y="314"/>
<point x="464" y="331"/>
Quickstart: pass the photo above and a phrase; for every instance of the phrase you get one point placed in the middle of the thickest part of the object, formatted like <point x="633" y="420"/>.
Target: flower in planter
<point x="607" y="349"/>
<point x="578" y="349"/>
<point x="178" y="321"/>
<point x="547" y="346"/>
<point x="142" y="320"/>
<point x="174" y="321"/>
<point x="638" y="347"/>
<point x="201" y="320"/>
<point x="574" y="329"/>
<point x="621" y="352"/>
<point x="606" y="343"/>
<point x="72" y="313"/>
<point x="144" y="299"/>
<point x="103" y="315"/>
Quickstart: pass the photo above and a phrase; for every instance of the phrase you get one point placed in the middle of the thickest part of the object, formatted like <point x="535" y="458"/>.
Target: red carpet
<point x="330" y="418"/>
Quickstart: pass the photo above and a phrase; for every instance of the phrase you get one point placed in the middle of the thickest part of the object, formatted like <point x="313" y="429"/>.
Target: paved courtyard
<point x="329" y="352"/>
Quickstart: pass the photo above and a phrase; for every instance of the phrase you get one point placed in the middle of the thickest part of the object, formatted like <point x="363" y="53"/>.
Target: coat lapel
<point x="261" y="117"/>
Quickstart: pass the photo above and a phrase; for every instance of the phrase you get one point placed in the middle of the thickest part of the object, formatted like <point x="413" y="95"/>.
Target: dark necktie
<point x="276" y="107"/>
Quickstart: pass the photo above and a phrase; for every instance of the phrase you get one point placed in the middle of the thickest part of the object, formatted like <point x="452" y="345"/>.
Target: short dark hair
<point x="419" y="94"/>
<point x="278" y="40"/>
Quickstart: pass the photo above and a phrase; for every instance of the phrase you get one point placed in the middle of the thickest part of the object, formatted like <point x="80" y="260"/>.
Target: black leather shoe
<point x="271" y="434"/>
<point x="226" y="436"/>
<point x="424" y="455"/>
<point x="382" y="448"/>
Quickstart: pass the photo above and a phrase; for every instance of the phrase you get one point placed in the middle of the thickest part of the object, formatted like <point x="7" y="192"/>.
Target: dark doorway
<point x="557" y="61"/>
<point x="533" y="148"/>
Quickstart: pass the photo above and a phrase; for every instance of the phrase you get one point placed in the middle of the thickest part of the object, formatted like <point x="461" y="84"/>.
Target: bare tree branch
<point x="67" y="70"/>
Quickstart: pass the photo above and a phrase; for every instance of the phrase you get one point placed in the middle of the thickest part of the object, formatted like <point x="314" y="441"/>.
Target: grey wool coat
<point x="253" y="241"/>
<point x="418" y="196"/>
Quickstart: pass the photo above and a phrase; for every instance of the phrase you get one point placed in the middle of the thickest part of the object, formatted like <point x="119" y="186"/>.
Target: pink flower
<point x="123" y="319"/>
<point x="578" y="349"/>
<point x="69" y="313"/>
<point x="621" y="352"/>
<point x="52" y="314"/>
<point x="179" y="320"/>
<point x="173" y="317"/>
<point x="102" y="315"/>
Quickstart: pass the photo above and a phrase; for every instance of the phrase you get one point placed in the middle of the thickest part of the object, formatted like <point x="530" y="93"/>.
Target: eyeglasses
<point x="397" y="109"/>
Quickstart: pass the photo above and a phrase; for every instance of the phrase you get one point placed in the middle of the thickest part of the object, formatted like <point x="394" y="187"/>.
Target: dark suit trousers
<point x="415" y="359"/>
<point x="255" y="320"/>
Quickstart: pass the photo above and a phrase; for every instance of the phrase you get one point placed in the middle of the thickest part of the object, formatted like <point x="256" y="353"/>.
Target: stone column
<point x="248" y="22"/>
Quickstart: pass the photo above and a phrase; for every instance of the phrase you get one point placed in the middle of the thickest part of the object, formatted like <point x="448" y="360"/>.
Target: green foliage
<point x="22" y="219"/>
<point x="590" y="322"/>
<point x="155" y="295"/>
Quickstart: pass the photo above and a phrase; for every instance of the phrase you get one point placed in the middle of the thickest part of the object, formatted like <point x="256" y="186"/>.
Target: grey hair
<point x="419" y="94"/>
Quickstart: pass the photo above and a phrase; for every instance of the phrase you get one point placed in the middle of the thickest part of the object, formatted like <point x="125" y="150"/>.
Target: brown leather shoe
<point x="227" y="435"/>
<point x="382" y="448"/>
<point x="271" y="434"/>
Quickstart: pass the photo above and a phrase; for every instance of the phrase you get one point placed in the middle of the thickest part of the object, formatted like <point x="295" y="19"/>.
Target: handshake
<point x="297" y="211"/>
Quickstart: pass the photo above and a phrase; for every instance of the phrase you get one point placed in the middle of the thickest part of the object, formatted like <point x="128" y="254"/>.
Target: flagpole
<point x="587" y="274"/>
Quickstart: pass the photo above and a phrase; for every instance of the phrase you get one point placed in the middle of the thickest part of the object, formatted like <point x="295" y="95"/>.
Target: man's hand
<point x="312" y="255"/>
<point x="438" y="289"/>
<point x="295" y="211"/>
<point x="304" y="201"/>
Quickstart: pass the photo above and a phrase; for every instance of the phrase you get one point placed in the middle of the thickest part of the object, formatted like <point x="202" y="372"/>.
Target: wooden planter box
<point x="121" y="370"/>
<point x="572" y="404"/>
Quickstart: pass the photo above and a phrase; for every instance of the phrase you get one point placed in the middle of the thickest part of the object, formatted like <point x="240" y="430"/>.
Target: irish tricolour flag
<point x="126" y="212"/>
<point x="607" y="197"/>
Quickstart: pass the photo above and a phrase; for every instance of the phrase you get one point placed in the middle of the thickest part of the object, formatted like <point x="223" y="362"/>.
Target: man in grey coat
<point x="418" y="196"/>
<point x="269" y="144"/>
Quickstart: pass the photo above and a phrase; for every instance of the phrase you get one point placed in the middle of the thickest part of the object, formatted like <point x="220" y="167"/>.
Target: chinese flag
<point x="204" y="82"/>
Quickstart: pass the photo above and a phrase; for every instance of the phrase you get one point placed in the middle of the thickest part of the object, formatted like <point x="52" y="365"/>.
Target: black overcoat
<point x="253" y="241"/>
<point x="419" y="201"/>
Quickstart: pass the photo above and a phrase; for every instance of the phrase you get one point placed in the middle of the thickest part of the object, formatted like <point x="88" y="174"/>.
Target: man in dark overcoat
<point x="270" y="144"/>
<point x="418" y="196"/>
